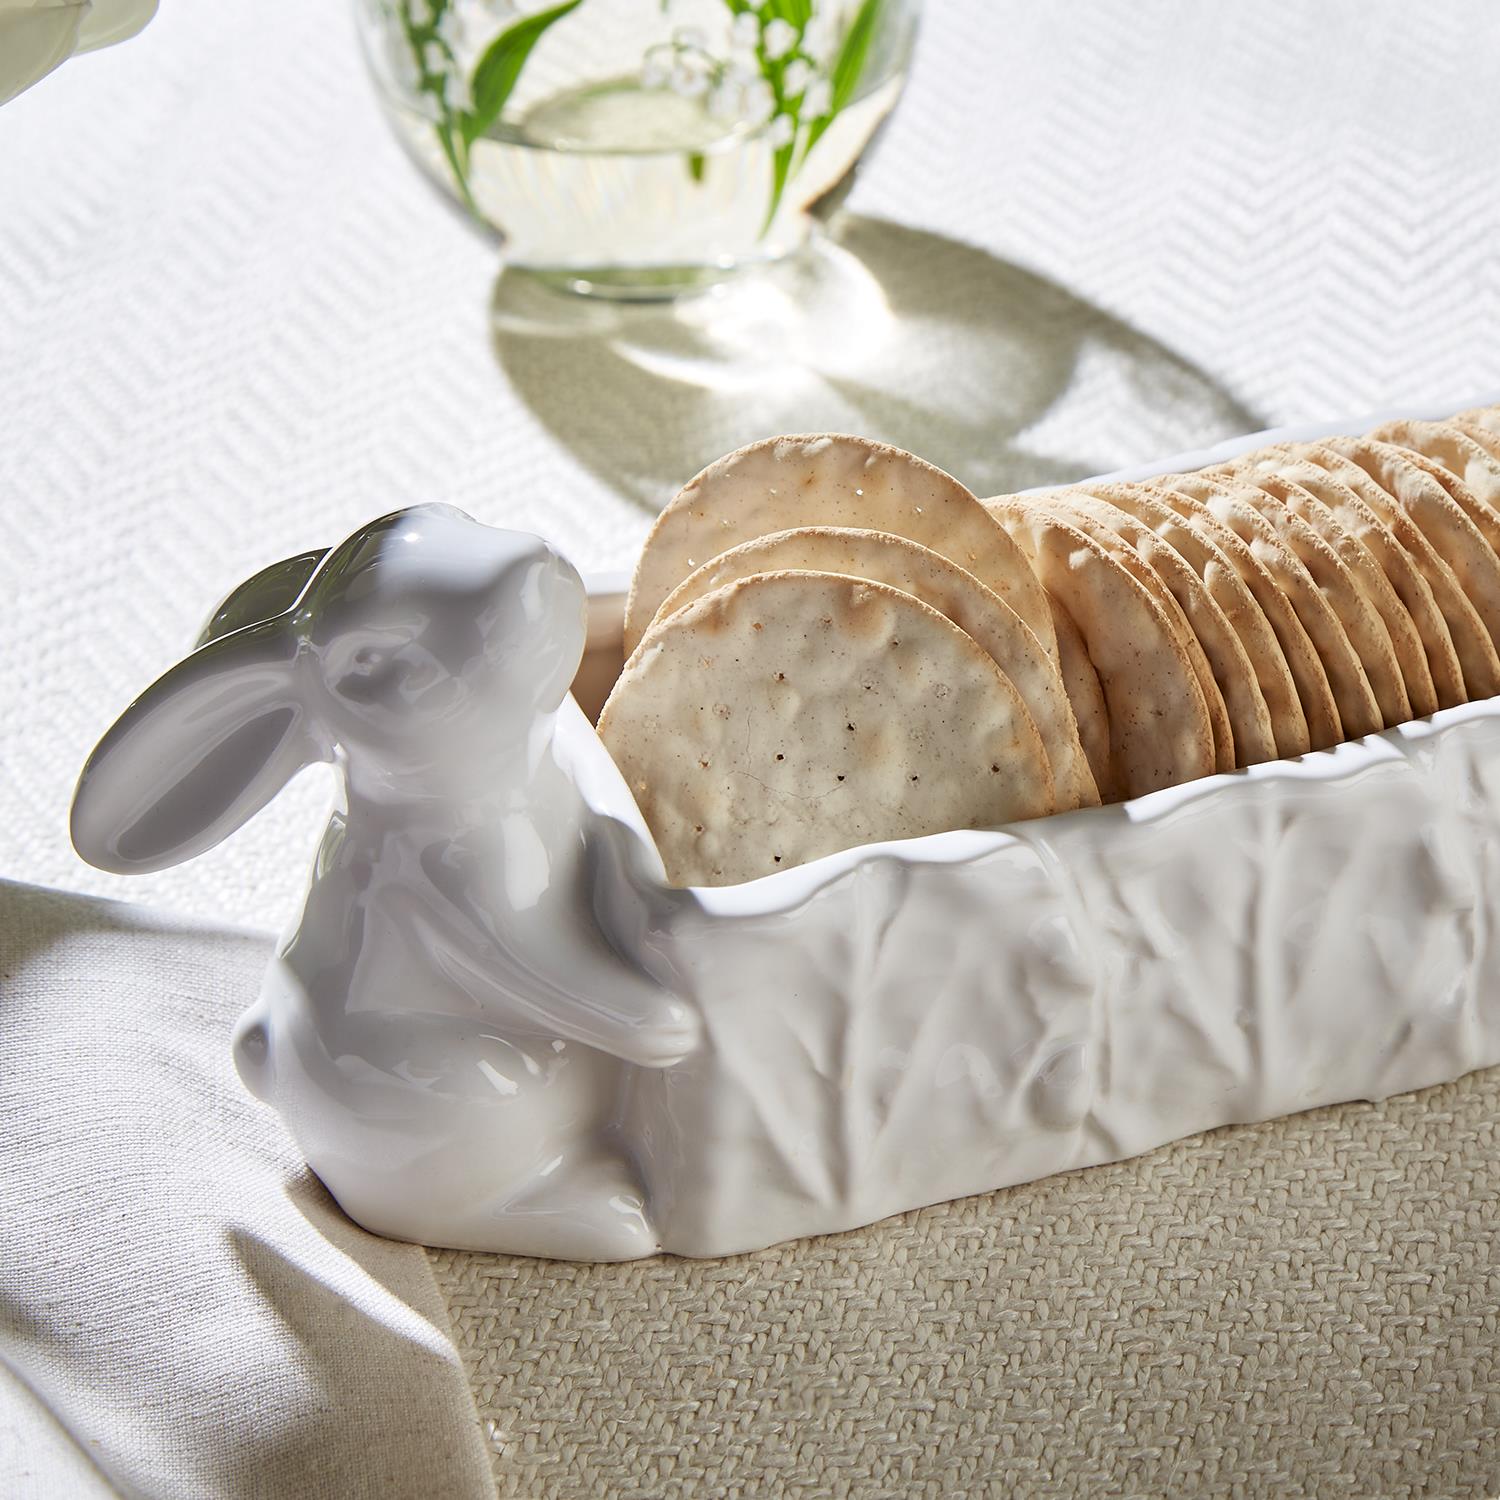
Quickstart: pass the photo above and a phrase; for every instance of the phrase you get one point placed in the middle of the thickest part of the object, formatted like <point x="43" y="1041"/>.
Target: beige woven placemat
<point x="1305" y="1308"/>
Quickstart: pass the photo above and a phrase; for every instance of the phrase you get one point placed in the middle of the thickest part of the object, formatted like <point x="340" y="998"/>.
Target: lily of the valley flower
<point x="37" y="35"/>
<point x="795" y="79"/>
<point x="778" y="38"/>
<point x="690" y="75"/>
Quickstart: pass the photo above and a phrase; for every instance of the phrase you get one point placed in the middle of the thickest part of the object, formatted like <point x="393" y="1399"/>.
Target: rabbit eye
<point x="369" y="656"/>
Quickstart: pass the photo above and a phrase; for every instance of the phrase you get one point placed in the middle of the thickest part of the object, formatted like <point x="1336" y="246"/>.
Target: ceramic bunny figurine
<point x="447" y="1041"/>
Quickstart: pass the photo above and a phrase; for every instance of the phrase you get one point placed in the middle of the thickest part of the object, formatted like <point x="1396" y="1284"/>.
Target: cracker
<point x="789" y="715"/>
<point x="1479" y="419"/>
<point x="1382" y="570"/>
<point x="1081" y="682"/>
<point x="1159" y="729"/>
<point x="1253" y="739"/>
<point x="1446" y="521"/>
<point x="1067" y="504"/>
<point x="828" y="480"/>
<point x="1280" y="584"/>
<point x="1355" y="708"/>
<point x="1472" y="644"/>
<point x="1465" y="468"/>
<point x="1228" y="589"/>
<point x="1311" y="535"/>
<point x="949" y="589"/>
<point x="1482" y="424"/>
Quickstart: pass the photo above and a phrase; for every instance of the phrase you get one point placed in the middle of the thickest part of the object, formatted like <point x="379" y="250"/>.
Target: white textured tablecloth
<point x="234" y="323"/>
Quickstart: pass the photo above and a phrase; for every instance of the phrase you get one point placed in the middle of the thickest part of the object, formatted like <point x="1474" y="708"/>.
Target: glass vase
<point x="640" y="148"/>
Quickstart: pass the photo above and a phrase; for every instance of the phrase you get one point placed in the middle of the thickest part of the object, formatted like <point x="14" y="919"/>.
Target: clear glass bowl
<point x="640" y="148"/>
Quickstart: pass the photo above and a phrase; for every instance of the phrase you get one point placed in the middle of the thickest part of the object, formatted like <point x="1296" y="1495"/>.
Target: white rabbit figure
<point x="447" y="1033"/>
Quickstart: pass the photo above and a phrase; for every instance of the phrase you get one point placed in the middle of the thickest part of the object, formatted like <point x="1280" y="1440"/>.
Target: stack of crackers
<point x="831" y="642"/>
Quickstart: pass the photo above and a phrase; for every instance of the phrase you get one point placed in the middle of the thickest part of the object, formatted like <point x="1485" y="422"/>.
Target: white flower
<point x="781" y="132"/>
<point x="760" y="102"/>
<point x="692" y="38"/>
<point x="434" y="59"/>
<point x="794" y="81"/>
<point x="34" y="38"/>
<point x="742" y="70"/>
<point x="778" y="38"/>
<point x="450" y="29"/>
<point x="745" y="32"/>
<point x="689" y="77"/>
<point x="817" y="36"/>
<point x="405" y="73"/>
<point x="818" y="100"/>
<point x="656" y="70"/>
<point x="726" y="100"/>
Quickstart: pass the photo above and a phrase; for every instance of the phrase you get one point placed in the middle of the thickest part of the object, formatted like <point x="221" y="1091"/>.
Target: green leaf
<point x="781" y="167"/>
<point x="848" y="67"/>
<point x="697" y="164"/>
<point x="795" y="12"/>
<point x="458" y="162"/>
<point x="497" y="72"/>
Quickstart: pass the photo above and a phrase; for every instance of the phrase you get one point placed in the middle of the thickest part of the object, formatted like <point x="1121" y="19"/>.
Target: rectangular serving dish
<point x="904" y="1023"/>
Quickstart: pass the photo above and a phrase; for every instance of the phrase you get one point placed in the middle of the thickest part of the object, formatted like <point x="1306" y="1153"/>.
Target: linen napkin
<point x="184" y="1311"/>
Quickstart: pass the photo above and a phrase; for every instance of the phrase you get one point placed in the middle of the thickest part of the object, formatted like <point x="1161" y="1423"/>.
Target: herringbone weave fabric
<point x="233" y="324"/>
<point x="1305" y="1308"/>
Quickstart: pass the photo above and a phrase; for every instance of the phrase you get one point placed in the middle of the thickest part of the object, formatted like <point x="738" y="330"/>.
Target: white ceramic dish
<point x="494" y="1026"/>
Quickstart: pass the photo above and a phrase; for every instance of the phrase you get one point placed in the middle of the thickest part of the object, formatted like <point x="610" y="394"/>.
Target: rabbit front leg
<point x="550" y="968"/>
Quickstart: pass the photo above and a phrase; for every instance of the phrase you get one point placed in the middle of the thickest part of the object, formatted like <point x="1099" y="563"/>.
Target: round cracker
<point x="1380" y="567"/>
<point x="1338" y="677"/>
<point x="1423" y="582"/>
<point x="1253" y="739"/>
<point x="1069" y="505"/>
<point x="828" y="480"/>
<point x="1159" y="730"/>
<point x="951" y="590"/>
<point x="1228" y="589"/>
<point x="789" y="715"/>
<point x="1072" y="505"/>
<point x="1308" y="537"/>
<point x="1478" y="661"/>
<point x="1488" y="437"/>
<point x="1081" y="682"/>
<point x="1474" y="472"/>
<point x="1479" y="419"/>
<point x="1430" y="501"/>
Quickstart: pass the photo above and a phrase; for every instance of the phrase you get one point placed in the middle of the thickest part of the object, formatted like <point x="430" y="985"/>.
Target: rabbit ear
<point x="262" y="595"/>
<point x="195" y="755"/>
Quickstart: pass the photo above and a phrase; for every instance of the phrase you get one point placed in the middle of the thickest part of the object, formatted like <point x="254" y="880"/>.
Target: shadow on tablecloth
<point x="991" y="371"/>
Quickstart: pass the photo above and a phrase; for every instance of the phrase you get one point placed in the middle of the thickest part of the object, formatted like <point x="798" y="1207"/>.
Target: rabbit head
<point x="426" y="647"/>
<point x="437" y="638"/>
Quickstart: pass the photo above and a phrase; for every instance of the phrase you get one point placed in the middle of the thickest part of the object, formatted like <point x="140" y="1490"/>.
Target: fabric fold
<point x="183" y="1308"/>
